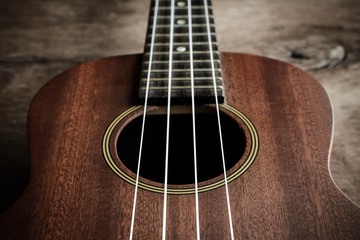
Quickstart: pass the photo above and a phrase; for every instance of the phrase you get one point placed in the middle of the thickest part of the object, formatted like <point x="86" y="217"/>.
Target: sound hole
<point x="181" y="153"/>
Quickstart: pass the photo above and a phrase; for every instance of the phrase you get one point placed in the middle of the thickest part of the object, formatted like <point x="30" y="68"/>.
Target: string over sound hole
<point x="181" y="155"/>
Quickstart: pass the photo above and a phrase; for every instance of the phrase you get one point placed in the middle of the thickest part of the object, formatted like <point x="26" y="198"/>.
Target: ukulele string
<point x="193" y="118"/>
<point x="218" y="116"/>
<point x="144" y="116"/>
<point x="168" y="116"/>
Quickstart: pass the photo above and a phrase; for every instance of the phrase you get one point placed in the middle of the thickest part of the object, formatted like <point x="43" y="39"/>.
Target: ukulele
<point x="181" y="142"/>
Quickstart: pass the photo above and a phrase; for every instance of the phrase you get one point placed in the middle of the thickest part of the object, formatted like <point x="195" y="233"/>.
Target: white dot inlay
<point x="181" y="49"/>
<point x="181" y="21"/>
<point x="181" y="4"/>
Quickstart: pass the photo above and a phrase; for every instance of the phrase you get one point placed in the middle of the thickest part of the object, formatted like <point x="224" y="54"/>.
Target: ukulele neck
<point x="181" y="54"/>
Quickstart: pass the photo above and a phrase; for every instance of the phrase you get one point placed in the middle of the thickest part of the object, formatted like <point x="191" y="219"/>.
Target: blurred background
<point x="41" y="38"/>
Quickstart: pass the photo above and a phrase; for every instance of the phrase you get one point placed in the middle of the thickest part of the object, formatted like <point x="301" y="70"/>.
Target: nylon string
<point x="218" y="116"/>
<point x="168" y="117"/>
<point x="144" y="116"/>
<point x="193" y="118"/>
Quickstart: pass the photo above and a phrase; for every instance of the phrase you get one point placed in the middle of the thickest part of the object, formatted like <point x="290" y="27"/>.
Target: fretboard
<point x="202" y="67"/>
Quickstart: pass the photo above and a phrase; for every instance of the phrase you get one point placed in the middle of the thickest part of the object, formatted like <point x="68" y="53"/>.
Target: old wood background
<point x="39" y="39"/>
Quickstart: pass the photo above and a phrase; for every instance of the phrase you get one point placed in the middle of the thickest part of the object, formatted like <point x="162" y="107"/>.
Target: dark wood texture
<point x="181" y="69"/>
<point x="286" y="194"/>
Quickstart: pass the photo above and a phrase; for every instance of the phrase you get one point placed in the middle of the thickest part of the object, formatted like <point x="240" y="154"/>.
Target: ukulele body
<point x="287" y="193"/>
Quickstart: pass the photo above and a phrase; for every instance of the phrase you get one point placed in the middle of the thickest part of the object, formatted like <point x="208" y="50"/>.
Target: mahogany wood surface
<point x="286" y="194"/>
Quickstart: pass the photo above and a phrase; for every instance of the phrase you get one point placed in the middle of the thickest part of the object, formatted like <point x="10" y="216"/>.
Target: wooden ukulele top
<point x="287" y="193"/>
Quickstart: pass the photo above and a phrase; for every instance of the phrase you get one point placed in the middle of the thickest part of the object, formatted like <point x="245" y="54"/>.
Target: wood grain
<point x="286" y="194"/>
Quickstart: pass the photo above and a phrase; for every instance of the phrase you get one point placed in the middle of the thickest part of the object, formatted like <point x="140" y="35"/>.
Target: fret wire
<point x="180" y="43"/>
<point x="182" y="79"/>
<point x="186" y="53"/>
<point x="182" y="16"/>
<point x="182" y="83"/>
<point x="183" y="61"/>
<point x="181" y="34"/>
<point x="178" y="53"/>
<point x="180" y="13"/>
<point x="165" y="21"/>
<point x="184" y="57"/>
<point x="184" y="87"/>
<point x="183" y="70"/>
<point x="179" y="26"/>
<point x="167" y="1"/>
<point x="181" y="39"/>
<point x="197" y="48"/>
<point x="183" y="8"/>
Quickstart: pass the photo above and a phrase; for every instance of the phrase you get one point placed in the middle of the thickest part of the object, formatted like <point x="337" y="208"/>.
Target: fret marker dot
<point x="181" y="4"/>
<point x="181" y="49"/>
<point x="181" y="22"/>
